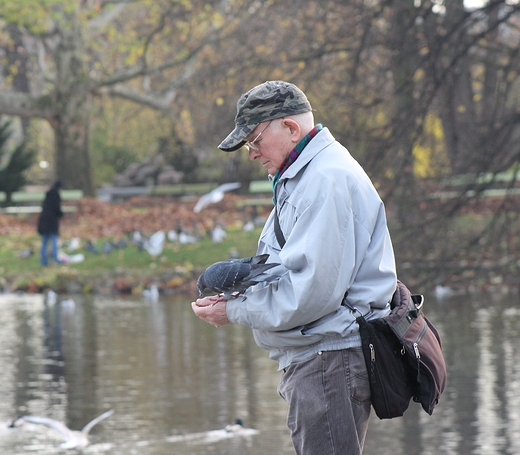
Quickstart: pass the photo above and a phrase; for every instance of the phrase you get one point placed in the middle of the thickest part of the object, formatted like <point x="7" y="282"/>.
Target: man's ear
<point x="294" y="128"/>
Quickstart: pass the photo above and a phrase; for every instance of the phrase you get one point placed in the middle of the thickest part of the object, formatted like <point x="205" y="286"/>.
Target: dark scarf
<point x="295" y="153"/>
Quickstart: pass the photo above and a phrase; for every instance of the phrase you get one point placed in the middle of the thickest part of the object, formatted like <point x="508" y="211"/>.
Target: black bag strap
<point x="278" y="230"/>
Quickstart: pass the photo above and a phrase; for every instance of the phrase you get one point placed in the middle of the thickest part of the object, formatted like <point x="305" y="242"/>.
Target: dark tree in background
<point x="13" y="163"/>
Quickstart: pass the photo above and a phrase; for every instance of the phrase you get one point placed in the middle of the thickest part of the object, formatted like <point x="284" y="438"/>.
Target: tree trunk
<point x="71" y="105"/>
<point x="457" y="110"/>
<point x="404" y="62"/>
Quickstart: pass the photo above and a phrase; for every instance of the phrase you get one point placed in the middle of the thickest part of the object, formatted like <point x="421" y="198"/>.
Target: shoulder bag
<point x="403" y="354"/>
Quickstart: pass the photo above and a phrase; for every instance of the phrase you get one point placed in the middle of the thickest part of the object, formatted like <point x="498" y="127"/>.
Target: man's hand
<point x="212" y="310"/>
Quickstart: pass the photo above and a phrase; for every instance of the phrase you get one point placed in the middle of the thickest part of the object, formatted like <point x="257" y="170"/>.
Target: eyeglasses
<point x="251" y="145"/>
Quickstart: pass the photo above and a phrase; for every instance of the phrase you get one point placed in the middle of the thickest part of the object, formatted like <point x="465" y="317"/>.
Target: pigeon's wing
<point x="98" y="419"/>
<point x="260" y="259"/>
<point x="255" y="276"/>
<point x="257" y="270"/>
<point x="51" y="423"/>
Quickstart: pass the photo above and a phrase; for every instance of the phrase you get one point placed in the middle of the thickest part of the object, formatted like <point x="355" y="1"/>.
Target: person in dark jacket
<point x="49" y="223"/>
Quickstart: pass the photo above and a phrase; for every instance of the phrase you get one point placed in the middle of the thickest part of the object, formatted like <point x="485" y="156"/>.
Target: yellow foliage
<point x="419" y="75"/>
<point x="35" y="15"/>
<point x="430" y="159"/>
<point x="422" y="161"/>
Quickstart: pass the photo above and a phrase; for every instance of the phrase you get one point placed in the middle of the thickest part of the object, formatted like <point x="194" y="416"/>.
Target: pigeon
<point x="138" y="239"/>
<point x="91" y="247"/>
<point x="73" y="439"/>
<point x="108" y="247"/>
<point x="215" y="195"/>
<point x="234" y="276"/>
<point x="26" y="253"/>
<point x="121" y="243"/>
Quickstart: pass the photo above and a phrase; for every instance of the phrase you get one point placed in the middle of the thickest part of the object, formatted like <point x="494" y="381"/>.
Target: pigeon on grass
<point x="234" y="276"/>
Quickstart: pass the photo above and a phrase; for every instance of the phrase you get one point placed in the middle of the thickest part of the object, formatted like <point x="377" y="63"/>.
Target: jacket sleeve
<point x="318" y="258"/>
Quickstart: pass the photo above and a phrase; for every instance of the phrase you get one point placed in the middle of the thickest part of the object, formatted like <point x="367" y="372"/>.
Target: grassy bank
<point x="123" y="270"/>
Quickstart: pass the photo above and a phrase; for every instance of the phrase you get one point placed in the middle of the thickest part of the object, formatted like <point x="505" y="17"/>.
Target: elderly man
<point x="328" y="231"/>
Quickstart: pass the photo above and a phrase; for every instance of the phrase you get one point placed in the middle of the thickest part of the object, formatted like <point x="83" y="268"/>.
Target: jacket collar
<point x="322" y="140"/>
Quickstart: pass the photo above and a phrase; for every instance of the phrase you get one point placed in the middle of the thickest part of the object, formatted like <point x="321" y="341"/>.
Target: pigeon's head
<point x="201" y="284"/>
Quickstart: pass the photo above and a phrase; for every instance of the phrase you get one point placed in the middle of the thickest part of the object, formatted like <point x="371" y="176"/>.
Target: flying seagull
<point x="215" y="195"/>
<point x="235" y="275"/>
<point x="73" y="439"/>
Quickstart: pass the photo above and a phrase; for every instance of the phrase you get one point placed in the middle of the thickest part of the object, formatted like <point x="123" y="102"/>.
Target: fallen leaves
<point x="95" y="219"/>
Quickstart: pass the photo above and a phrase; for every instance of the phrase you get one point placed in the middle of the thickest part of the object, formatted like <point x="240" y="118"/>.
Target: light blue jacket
<point x="334" y="224"/>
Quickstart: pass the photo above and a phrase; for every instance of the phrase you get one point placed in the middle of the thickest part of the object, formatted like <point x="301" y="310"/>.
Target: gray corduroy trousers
<point x="329" y="403"/>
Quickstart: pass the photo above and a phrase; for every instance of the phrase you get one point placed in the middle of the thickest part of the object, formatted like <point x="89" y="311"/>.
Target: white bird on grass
<point x="155" y="244"/>
<point x="74" y="244"/>
<point x="218" y="234"/>
<point x="186" y="239"/>
<point x="249" y="226"/>
<point x="215" y="195"/>
<point x="73" y="439"/>
<point x="172" y="235"/>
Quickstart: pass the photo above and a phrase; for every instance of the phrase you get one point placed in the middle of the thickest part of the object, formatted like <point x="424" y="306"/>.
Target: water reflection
<point x="167" y="374"/>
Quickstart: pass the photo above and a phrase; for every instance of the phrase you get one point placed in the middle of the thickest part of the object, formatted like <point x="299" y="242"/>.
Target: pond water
<point x="175" y="381"/>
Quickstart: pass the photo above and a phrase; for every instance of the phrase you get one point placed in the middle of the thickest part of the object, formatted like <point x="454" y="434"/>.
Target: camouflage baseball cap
<point x="267" y="101"/>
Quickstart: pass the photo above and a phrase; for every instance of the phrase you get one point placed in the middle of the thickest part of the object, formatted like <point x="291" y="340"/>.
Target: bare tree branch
<point x="107" y="16"/>
<point x="25" y="105"/>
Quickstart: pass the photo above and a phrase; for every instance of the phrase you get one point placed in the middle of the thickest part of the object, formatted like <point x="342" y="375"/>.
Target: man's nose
<point x="253" y="154"/>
